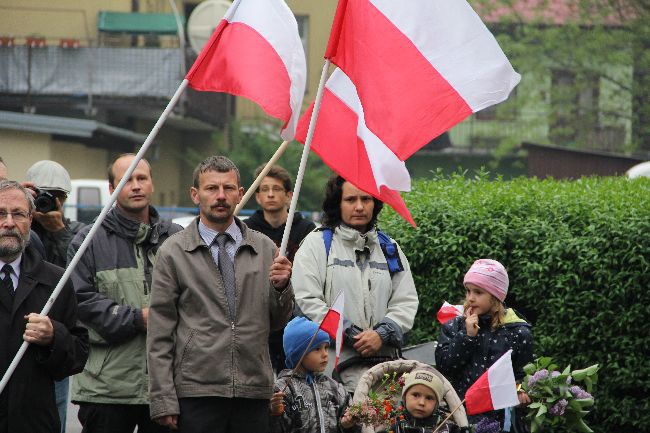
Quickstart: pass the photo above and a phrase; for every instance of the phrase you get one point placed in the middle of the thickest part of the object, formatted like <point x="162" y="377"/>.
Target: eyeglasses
<point x="19" y="217"/>
<point x="276" y="189"/>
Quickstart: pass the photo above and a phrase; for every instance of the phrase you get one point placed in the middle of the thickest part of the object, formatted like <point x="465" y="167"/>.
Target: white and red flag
<point x="332" y="323"/>
<point x="495" y="389"/>
<point x="349" y="148"/>
<point x="448" y="312"/>
<point x="419" y="66"/>
<point x="256" y="52"/>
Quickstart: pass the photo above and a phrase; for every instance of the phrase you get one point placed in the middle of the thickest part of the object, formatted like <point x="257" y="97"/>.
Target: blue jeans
<point x="61" y="390"/>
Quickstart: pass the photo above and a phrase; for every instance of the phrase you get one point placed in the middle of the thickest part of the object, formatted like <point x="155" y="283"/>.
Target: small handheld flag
<point x="495" y="389"/>
<point x="448" y="312"/>
<point x="333" y="323"/>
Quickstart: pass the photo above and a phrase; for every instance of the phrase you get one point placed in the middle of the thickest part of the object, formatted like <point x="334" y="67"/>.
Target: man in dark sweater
<point x="274" y="196"/>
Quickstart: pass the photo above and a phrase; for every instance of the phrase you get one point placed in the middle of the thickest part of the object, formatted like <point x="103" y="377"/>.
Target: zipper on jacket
<point x="319" y="407"/>
<point x="232" y="355"/>
<point x="146" y="286"/>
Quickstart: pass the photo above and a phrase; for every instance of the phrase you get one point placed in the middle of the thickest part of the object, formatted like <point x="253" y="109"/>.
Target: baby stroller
<point x="372" y="379"/>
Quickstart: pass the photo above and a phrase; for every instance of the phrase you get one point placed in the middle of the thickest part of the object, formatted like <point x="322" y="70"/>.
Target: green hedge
<point x="578" y="257"/>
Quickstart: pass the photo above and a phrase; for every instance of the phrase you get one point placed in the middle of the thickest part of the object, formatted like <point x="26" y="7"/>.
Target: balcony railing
<point x="103" y="71"/>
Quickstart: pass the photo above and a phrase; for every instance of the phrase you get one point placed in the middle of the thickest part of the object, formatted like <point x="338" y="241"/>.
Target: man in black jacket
<point x="274" y="197"/>
<point x="58" y="346"/>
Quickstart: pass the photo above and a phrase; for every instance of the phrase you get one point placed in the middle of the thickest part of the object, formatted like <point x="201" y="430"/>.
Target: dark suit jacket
<point x="27" y="403"/>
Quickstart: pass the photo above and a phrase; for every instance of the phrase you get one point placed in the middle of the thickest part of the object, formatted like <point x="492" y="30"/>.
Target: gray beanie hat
<point x="426" y="378"/>
<point x="49" y="175"/>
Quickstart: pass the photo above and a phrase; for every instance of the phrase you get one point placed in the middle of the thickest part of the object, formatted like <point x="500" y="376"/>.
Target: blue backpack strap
<point x="388" y="247"/>
<point x="391" y="253"/>
<point x="328" y="233"/>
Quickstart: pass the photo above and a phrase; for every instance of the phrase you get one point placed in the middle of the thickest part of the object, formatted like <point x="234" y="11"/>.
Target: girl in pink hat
<point x="468" y="345"/>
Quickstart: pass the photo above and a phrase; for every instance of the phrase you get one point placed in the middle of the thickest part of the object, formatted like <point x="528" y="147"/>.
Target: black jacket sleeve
<point x="69" y="350"/>
<point x="455" y="347"/>
<point x="523" y="353"/>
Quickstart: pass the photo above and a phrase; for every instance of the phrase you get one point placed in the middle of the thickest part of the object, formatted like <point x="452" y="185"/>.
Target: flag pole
<point x="303" y="160"/>
<point x="278" y="153"/>
<point x="448" y="416"/>
<point x="82" y="248"/>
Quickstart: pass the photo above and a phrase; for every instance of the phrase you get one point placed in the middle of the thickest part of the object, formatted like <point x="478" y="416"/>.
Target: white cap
<point x="49" y="175"/>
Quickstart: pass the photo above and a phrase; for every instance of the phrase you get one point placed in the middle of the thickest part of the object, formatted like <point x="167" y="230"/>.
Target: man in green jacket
<point x="219" y="288"/>
<point x="112" y="282"/>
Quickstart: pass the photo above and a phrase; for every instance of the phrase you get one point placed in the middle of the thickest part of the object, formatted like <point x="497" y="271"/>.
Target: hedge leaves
<point x="578" y="258"/>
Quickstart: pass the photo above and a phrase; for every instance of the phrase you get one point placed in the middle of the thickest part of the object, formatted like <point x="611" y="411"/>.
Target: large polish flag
<point x="420" y="66"/>
<point x="333" y="323"/>
<point x="344" y="142"/>
<point x="256" y="52"/>
<point x="495" y="389"/>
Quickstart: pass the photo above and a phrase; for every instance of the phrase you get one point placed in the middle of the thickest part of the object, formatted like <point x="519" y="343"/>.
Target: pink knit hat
<point x="490" y="276"/>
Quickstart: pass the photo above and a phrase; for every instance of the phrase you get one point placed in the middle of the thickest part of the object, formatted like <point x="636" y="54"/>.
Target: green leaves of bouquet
<point x="560" y="399"/>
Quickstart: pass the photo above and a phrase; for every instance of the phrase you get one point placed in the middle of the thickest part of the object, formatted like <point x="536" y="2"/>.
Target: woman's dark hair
<point x="332" y="203"/>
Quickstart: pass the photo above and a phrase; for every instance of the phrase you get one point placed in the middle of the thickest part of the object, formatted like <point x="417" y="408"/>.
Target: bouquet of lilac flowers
<point x="559" y="399"/>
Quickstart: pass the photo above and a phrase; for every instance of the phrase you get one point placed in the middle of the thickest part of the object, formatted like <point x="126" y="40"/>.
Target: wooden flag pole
<point x="98" y="222"/>
<point x="448" y="416"/>
<point x="303" y="160"/>
<point x="278" y="153"/>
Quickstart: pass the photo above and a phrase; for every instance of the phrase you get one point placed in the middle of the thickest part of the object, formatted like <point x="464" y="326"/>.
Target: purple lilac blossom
<point x="555" y="374"/>
<point x="541" y="374"/>
<point x="579" y="393"/>
<point x="558" y="408"/>
<point x="487" y="425"/>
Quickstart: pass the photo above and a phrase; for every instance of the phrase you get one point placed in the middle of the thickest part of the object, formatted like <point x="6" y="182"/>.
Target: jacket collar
<point x="357" y="239"/>
<point x="192" y="238"/>
<point x="120" y="224"/>
<point x="315" y="377"/>
<point x="258" y="217"/>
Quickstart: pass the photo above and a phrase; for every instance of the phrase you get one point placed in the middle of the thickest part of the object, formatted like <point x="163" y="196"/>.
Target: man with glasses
<point x="50" y="184"/>
<point x="58" y="346"/>
<point x="34" y="240"/>
<point x="274" y="197"/>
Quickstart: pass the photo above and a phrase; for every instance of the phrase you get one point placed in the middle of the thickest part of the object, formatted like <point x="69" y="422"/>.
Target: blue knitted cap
<point x="297" y="334"/>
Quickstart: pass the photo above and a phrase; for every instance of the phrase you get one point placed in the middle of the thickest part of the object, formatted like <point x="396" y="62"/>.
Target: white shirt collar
<point x="208" y="234"/>
<point x="15" y="265"/>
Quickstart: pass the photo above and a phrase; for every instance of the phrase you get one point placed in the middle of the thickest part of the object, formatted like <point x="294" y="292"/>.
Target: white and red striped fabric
<point x="348" y="147"/>
<point x="420" y="66"/>
<point x="495" y="389"/>
<point x="448" y="312"/>
<point x="256" y="52"/>
<point x="333" y="323"/>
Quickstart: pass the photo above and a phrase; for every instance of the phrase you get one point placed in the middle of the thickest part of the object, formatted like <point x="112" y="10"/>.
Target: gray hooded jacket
<point x="315" y="408"/>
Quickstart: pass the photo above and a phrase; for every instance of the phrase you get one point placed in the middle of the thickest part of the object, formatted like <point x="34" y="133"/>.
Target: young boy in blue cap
<point x="305" y="400"/>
